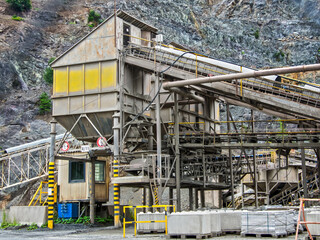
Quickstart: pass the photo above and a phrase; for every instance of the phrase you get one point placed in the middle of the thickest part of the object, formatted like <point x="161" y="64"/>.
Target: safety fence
<point x="135" y="221"/>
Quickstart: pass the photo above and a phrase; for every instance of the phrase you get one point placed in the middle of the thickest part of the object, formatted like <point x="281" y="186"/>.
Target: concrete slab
<point x="28" y="215"/>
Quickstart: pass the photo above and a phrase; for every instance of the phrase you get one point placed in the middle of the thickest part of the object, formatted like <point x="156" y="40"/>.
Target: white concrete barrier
<point x="314" y="217"/>
<point x="151" y="227"/>
<point x="28" y="215"/>
<point x="189" y="223"/>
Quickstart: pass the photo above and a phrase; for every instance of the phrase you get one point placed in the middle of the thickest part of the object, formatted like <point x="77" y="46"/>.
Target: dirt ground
<point x="98" y="233"/>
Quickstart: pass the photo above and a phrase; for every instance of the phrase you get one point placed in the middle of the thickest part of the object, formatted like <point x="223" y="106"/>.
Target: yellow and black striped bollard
<point x="51" y="195"/>
<point x="116" y="194"/>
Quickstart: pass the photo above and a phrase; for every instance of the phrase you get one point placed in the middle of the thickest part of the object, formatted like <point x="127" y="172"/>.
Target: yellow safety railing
<point x="135" y="217"/>
<point x="39" y="193"/>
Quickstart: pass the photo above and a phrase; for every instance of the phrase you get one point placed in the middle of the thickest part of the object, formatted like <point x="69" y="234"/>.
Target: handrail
<point x="135" y="217"/>
<point x="261" y="80"/>
<point x="40" y="192"/>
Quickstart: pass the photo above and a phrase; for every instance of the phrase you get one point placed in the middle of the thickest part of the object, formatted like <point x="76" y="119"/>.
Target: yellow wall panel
<point x="61" y="80"/>
<point x="75" y="79"/>
<point x="109" y="74"/>
<point x="92" y="77"/>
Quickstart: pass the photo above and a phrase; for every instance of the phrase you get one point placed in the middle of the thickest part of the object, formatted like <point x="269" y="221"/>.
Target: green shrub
<point x="256" y="34"/>
<point x="279" y="55"/>
<point x="48" y="73"/>
<point x="17" y="18"/>
<point x="20" y="5"/>
<point x="94" y="18"/>
<point x="44" y="103"/>
<point x="33" y="226"/>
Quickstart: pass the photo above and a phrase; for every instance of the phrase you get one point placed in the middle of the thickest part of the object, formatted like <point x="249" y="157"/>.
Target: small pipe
<point x="229" y="77"/>
<point x="185" y="93"/>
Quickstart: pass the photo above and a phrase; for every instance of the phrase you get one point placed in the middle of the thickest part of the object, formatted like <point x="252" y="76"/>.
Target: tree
<point x="94" y="18"/>
<point x="48" y="73"/>
<point x="44" y="103"/>
<point x="20" y="5"/>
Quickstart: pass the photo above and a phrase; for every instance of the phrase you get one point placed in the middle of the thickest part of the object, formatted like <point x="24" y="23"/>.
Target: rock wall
<point x="253" y="33"/>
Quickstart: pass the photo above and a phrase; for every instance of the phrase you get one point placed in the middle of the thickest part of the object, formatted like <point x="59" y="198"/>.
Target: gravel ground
<point x="82" y="233"/>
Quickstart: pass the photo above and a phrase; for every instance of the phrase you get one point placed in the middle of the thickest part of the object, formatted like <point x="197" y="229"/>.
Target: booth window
<point x="126" y="35"/>
<point x="100" y="171"/>
<point x="76" y="172"/>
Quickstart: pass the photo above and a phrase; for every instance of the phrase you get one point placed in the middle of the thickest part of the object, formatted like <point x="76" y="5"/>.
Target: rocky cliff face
<point x="253" y="33"/>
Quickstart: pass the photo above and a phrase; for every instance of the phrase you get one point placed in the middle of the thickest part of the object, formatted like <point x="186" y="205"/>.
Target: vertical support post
<point x="171" y="197"/>
<point x="304" y="173"/>
<point x="191" y="198"/>
<point x="144" y="193"/>
<point x="255" y="178"/>
<point x="242" y="200"/>
<point x="203" y="199"/>
<point x="150" y="199"/>
<point x="92" y="190"/>
<point x="254" y="165"/>
<point x="116" y="165"/>
<point x="159" y="145"/>
<point x="177" y="150"/>
<point x="318" y="164"/>
<point x="230" y="161"/>
<point x="197" y="198"/>
<point x="150" y="138"/>
<point x="50" y="200"/>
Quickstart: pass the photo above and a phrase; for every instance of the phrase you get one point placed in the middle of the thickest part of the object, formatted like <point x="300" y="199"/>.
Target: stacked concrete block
<point x="189" y="224"/>
<point x="291" y="221"/>
<point x="230" y="221"/>
<point x="215" y="221"/>
<point x="314" y="228"/>
<point x="273" y="223"/>
<point x="151" y="227"/>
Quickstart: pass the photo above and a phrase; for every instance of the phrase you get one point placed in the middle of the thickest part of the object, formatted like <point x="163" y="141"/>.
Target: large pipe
<point x="32" y="144"/>
<point x="228" y="77"/>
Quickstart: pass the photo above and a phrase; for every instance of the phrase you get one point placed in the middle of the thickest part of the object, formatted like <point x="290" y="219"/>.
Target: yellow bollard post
<point x="124" y="222"/>
<point x="116" y="194"/>
<point x="135" y="221"/>
<point x="166" y="218"/>
<point x="51" y="195"/>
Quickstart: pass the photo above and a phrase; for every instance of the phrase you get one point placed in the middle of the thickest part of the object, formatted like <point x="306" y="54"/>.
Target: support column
<point x="177" y="150"/>
<point x="116" y="165"/>
<point x="51" y="193"/>
<point x="254" y="165"/>
<point x="230" y="161"/>
<point x="202" y="198"/>
<point x="304" y="174"/>
<point x="197" y="198"/>
<point x="191" y="199"/>
<point x="171" y="197"/>
<point x="92" y="190"/>
<point x="158" y="126"/>
<point x="318" y="165"/>
<point x="144" y="192"/>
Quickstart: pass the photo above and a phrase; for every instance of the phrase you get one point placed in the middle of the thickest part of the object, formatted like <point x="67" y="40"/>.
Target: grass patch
<point x="17" y="18"/>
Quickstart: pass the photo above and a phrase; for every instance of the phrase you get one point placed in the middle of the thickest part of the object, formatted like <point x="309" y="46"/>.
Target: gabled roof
<point x="121" y="14"/>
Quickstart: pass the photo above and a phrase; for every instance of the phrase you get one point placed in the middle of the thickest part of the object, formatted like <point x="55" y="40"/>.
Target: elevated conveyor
<point x="275" y="96"/>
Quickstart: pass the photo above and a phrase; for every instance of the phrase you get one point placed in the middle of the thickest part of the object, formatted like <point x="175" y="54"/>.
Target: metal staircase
<point x="291" y="195"/>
